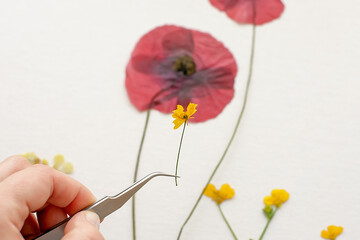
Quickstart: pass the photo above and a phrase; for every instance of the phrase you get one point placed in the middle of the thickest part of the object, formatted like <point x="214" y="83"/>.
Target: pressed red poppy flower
<point x="173" y="65"/>
<point x="242" y="11"/>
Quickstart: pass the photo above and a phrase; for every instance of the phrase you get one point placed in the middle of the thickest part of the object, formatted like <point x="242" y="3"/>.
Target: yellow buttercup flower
<point x="332" y="232"/>
<point x="181" y="116"/>
<point x="225" y="192"/>
<point x="278" y="197"/>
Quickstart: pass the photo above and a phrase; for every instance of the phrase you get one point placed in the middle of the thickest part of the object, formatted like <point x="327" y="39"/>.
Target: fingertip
<point x="12" y="165"/>
<point x="83" y="225"/>
<point x="93" y="219"/>
<point x="20" y="159"/>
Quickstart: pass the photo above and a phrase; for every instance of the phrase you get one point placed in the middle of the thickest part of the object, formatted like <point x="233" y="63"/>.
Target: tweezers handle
<point x="56" y="232"/>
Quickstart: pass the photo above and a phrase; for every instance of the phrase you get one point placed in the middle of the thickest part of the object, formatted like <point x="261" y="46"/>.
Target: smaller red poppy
<point x="242" y="11"/>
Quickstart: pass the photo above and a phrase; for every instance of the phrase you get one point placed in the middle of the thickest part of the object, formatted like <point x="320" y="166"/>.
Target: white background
<point x="62" y="71"/>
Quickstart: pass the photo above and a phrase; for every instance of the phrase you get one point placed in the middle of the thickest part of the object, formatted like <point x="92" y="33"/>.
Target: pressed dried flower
<point x="242" y="11"/>
<point x="181" y="116"/>
<point x="224" y="193"/>
<point x="32" y="157"/>
<point x="67" y="168"/>
<point x="58" y="161"/>
<point x="173" y="66"/>
<point x="45" y="161"/>
<point x="278" y="197"/>
<point x="332" y="232"/>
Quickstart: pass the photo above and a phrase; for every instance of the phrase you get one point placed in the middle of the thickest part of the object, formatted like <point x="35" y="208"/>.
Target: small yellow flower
<point x="32" y="157"/>
<point x="225" y="192"/>
<point x="45" y="161"/>
<point x="181" y="116"/>
<point x="67" y="168"/>
<point x="278" y="197"/>
<point x="332" y="232"/>
<point x="58" y="161"/>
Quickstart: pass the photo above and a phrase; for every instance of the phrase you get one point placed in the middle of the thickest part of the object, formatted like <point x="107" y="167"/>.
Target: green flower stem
<point x="140" y="150"/>
<point x="235" y="129"/>
<point x="178" y="155"/>
<point x="227" y="223"/>
<point x="267" y="224"/>
<point x="137" y="168"/>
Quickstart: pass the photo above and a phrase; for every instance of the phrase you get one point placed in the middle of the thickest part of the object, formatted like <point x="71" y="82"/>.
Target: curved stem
<point x="137" y="168"/>
<point x="227" y="223"/>
<point x="235" y="129"/>
<point x="139" y="154"/>
<point x="178" y="155"/>
<point x="267" y="224"/>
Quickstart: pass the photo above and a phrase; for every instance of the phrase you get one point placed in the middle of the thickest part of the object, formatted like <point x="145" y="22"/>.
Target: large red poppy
<point x="242" y="11"/>
<point x="173" y="65"/>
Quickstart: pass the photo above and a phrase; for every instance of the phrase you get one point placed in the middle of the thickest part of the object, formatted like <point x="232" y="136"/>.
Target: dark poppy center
<point x="185" y="65"/>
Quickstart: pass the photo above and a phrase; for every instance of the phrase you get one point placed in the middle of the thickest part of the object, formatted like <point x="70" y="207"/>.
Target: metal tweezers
<point x="103" y="207"/>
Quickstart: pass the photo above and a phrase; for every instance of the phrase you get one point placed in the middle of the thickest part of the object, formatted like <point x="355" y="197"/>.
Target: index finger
<point x="30" y="189"/>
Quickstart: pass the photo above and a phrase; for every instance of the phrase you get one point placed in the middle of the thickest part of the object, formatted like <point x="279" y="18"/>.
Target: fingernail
<point x="93" y="218"/>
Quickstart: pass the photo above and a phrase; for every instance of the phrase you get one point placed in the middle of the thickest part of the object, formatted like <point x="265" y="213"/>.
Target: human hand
<point x="26" y="189"/>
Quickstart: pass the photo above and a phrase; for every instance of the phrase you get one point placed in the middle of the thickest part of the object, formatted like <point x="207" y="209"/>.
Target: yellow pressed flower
<point x="225" y="192"/>
<point x="181" y="116"/>
<point x="332" y="232"/>
<point x="45" y="161"/>
<point x="32" y="157"/>
<point x="278" y="197"/>
<point x="67" y="168"/>
<point x="58" y="161"/>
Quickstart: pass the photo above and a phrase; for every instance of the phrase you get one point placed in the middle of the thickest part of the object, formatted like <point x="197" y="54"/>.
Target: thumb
<point x="83" y="226"/>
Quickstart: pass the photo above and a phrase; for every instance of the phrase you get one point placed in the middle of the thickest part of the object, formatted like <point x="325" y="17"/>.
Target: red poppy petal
<point x="141" y="92"/>
<point x="223" y="4"/>
<point x="178" y="39"/>
<point x="242" y="10"/>
<point x="210" y="53"/>
<point x="213" y="106"/>
<point x="150" y="73"/>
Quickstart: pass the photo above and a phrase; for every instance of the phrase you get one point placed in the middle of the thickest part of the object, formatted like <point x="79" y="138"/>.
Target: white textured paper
<point x="62" y="71"/>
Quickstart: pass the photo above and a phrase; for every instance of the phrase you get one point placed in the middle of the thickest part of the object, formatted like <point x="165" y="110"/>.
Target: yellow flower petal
<point x="191" y="109"/>
<point x="335" y="230"/>
<point x="226" y="192"/>
<point x="67" y="168"/>
<point x="45" y="162"/>
<point x="210" y="191"/>
<point x="58" y="161"/>
<point x="332" y="232"/>
<point x="325" y="234"/>
<point x="32" y="157"/>
<point x="181" y="116"/>
<point x="179" y="108"/>
<point x="268" y="200"/>
<point x="280" y="194"/>
<point x="178" y="122"/>
<point x="278" y="197"/>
